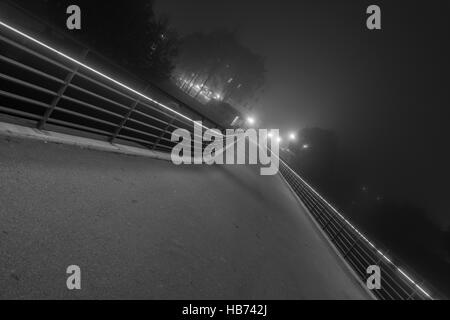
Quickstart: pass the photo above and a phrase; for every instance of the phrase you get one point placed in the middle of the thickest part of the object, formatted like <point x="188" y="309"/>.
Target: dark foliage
<point x="131" y="35"/>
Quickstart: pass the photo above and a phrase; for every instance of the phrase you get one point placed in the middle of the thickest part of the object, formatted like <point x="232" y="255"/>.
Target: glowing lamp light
<point x="251" y="120"/>
<point x="292" y="136"/>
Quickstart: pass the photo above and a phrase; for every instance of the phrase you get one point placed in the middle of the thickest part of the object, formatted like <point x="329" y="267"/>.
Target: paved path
<point x="147" y="229"/>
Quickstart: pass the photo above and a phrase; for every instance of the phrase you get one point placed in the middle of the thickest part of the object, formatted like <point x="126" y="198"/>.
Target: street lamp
<point x="305" y="146"/>
<point x="292" y="136"/>
<point x="251" y="121"/>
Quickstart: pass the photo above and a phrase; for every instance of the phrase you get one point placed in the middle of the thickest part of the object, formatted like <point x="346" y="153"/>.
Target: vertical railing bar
<point x="169" y="124"/>
<point x="414" y="291"/>
<point x="327" y="224"/>
<point x="48" y="113"/>
<point x="125" y="118"/>
<point x="381" y="258"/>
<point x="351" y="248"/>
<point x="337" y="233"/>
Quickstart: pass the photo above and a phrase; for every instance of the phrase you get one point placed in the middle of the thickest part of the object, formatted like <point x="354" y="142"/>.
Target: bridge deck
<point x="143" y="228"/>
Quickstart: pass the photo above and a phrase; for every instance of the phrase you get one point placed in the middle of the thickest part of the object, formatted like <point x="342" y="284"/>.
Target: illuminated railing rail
<point x="354" y="247"/>
<point x="40" y="83"/>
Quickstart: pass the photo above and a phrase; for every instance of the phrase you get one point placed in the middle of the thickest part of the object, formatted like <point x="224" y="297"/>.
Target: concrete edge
<point x="18" y="131"/>
<point x="331" y="245"/>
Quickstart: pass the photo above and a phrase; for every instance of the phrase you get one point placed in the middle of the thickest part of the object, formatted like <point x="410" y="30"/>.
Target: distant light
<point x="270" y="135"/>
<point x="305" y="146"/>
<point x="251" y="120"/>
<point x="279" y="139"/>
<point x="292" y="136"/>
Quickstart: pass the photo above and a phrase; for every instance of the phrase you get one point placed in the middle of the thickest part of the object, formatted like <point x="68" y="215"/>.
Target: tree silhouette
<point x="217" y="66"/>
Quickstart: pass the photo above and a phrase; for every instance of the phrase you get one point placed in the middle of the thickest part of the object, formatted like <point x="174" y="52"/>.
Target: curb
<point x="18" y="131"/>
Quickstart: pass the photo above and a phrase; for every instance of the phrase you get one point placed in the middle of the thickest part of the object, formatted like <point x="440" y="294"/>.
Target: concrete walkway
<point x="147" y="229"/>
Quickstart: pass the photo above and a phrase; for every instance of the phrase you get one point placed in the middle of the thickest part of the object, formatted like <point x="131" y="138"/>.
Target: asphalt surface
<point x="146" y="229"/>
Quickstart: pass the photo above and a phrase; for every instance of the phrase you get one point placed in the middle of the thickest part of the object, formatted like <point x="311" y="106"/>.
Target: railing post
<point x="61" y="92"/>
<point x="381" y="257"/>
<point x="125" y="119"/>
<point x="326" y="226"/>
<point x="155" y="144"/>
<point x="337" y="233"/>
<point x="414" y="291"/>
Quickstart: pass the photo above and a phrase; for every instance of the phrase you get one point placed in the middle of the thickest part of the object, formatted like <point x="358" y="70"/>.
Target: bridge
<point x="84" y="180"/>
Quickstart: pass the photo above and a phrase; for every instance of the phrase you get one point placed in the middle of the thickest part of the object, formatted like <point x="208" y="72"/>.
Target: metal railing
<point x="41" y="84"/>
<point x="353" y="246"/>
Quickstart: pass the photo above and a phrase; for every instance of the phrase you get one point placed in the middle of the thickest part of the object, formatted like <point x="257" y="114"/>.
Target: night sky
<point x="385" y="93"/>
